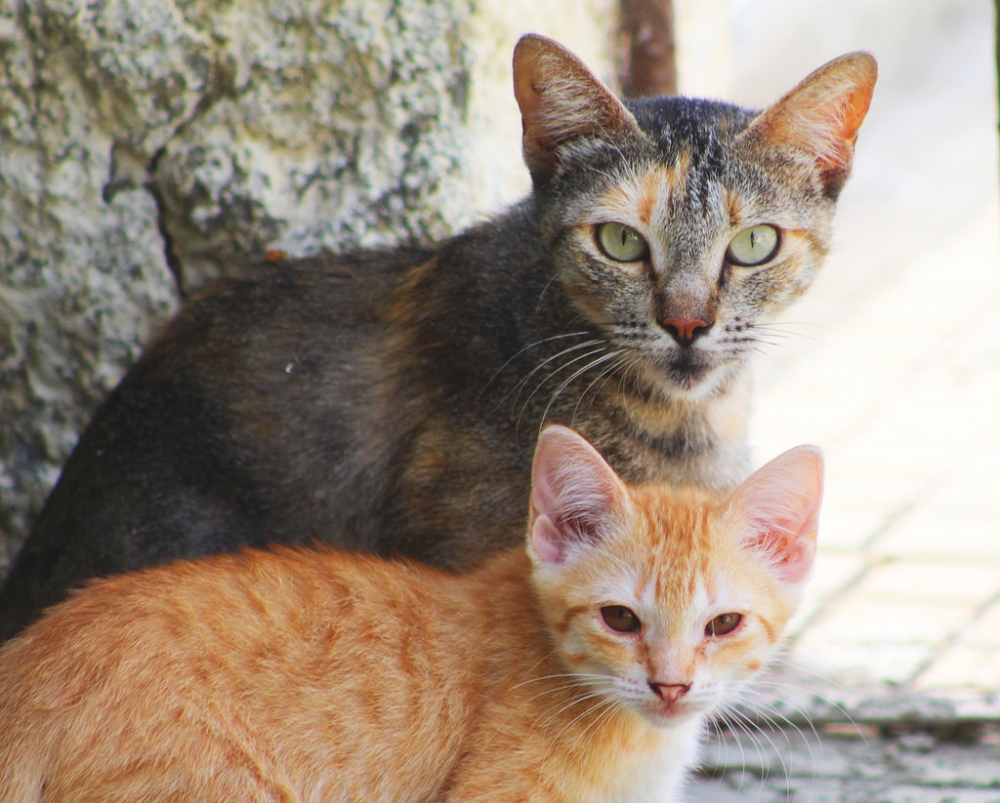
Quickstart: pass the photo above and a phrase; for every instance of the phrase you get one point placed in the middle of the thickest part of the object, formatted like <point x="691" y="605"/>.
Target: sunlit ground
<point x="892" y="362"/>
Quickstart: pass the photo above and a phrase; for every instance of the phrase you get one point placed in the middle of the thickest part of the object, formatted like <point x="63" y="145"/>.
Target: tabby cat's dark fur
<point x="313" y="400"/>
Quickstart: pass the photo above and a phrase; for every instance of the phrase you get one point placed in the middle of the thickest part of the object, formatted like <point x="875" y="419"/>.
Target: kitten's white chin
<point x="672" y="716"/>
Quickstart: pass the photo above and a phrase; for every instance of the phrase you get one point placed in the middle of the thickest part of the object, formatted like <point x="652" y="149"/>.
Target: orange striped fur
<point x="288" y="675"/>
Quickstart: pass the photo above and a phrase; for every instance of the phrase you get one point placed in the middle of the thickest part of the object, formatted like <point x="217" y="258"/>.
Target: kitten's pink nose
<point x="685" y="330"/>
<point x="670" y="693"/>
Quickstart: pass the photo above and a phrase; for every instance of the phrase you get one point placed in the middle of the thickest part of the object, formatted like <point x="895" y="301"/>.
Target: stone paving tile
<point x="866" y="767"/>
<point x="962" y="666"/>
<point x="867" y="620"/>
<point x="891" y="664"/>
<point x="937" y="533"/>
<point x="946" y="582"/>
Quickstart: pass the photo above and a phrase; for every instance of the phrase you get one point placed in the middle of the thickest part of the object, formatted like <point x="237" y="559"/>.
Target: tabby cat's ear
<point x="818" y="121"/>
<point x="776" y="511"/>
<point x="561" y="103"/>
<point x="576" y="497"/>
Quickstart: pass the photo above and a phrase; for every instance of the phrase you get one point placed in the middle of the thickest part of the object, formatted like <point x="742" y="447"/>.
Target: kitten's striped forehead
<point x="675" y="533"/>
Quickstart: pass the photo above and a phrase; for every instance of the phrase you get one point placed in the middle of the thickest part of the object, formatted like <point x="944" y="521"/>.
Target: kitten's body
<point x="315" y="400"/>
<point x="291" y="675"/>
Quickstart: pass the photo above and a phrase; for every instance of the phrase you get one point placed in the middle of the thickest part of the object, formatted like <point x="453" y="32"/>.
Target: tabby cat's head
<point x="679" y="225"/>
<point x="666" y="601"/>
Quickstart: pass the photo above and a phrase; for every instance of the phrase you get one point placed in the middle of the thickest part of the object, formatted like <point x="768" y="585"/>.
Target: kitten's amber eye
<point x="754" y="246"/>
<point x="723" y="624"/>
<point x="622" y="243"/>
<point x="620" y="619"/>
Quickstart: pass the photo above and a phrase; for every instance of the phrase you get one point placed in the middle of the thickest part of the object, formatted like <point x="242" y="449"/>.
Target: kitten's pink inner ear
<point x="575" y="494"/>
<point x="778" y="510"/>
<point x="561" y="101"/>
<point x="546" y="540"/>
<point x="822" y="115"/>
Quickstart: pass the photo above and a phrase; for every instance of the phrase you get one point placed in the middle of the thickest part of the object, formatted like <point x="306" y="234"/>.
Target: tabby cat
<point x="579" y="669"/>
<point x="322" y="399"/>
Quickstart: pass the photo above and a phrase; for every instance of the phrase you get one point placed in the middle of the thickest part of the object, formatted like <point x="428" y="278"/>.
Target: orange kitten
<point x="580" y="669"/>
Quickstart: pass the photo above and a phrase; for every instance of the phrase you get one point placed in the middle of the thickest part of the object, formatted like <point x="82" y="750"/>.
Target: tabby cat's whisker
<point x="530" y="346"/>
<point x="545" y="289"/>
<point x="790" y="324"/>
<point x="621" y="384"/>
<point x="615" y="365"/>
<point x="596" y="689"/>
<point x="521" y="385"/>
<point x="593" y="364"/>
<point x="626" y="362"/>
<point x="773" y="330"/>
<point x="569" y="350"/>
<point x="562" y="367"/>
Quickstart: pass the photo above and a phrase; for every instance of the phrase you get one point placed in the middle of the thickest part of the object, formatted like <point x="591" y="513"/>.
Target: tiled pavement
<point x="892" y="365"/>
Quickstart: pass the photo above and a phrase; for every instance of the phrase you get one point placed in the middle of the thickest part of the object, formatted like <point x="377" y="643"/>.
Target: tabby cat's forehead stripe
<point x="638" y="199"/>
<point x="734" y="207"/>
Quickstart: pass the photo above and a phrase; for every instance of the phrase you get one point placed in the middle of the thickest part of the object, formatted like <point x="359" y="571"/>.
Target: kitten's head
<point x="662" y="600"/>
<point x="679" y="225"/>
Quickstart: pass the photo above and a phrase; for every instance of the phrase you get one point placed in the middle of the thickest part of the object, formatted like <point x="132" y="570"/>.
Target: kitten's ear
<point x="575" y="495"/>
<point x="561" y="102"/>
<point x="818" y="121"/>
<point x="776" y="511"/>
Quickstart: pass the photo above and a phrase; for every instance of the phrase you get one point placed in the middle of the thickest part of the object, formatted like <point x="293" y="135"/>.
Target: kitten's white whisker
<point x="573" y="675"/>
<point x="591" y="731"/>
<point x="754" y="689"/>
<point x="789" y="685"/>
<point x="776" y="721"/>
<point x="576" y="700"/>
<point x="736" y="726"/>
<point x="762" y="733"/>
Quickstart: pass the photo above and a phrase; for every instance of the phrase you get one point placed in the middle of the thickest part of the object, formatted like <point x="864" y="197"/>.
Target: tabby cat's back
<point x="625" y="297"/>
<point x="579" y="669"/>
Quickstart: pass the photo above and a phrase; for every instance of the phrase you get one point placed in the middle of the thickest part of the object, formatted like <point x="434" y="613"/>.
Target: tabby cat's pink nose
<point x="685" y="330"/>
<point x="670" y="693"/>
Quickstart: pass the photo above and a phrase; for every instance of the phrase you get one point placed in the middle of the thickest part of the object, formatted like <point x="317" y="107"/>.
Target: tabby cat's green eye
<point x="754" y="246"/>
<point x="622" y="243"/>
<point x="620" y="619"/>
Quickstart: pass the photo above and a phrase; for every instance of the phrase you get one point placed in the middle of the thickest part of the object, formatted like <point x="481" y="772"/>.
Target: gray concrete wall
<point x="147" y="145"/>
